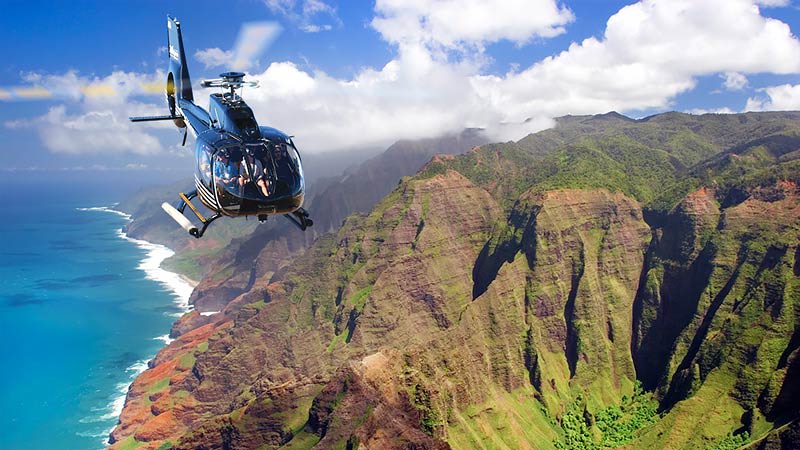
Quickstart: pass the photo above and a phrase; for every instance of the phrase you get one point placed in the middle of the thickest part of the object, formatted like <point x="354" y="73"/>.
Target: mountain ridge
<point x="507" y="298"/>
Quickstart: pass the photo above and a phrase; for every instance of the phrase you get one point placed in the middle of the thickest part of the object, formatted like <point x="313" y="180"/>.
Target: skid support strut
<point x="300" y="218"/>
<point x="177" y="214"/>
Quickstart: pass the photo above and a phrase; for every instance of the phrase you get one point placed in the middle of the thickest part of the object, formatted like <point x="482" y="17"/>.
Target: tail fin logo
<point x="174" y="53"/>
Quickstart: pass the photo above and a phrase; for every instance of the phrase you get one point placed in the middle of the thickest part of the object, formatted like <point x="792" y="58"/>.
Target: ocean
<point x="82" y="310"/>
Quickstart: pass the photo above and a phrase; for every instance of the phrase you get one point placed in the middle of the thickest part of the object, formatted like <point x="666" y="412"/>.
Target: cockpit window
<point x="256" y="171"/>
<point x="204" y="152"/>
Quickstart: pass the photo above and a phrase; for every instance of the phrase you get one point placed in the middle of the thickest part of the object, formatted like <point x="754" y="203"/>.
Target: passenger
<point x="259" y="174"/>
<point x="226" y="170"/>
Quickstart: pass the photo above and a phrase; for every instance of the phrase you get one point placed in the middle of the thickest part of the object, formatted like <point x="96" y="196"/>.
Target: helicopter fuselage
<point x="242" y="169"/>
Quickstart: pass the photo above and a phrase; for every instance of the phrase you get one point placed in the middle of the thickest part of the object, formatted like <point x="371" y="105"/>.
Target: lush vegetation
<point x="656" y="161"/>
<point x="618" y="423"/>
<point x="731" y="175"/>
<point x="464" y="380"/>
<point x="165" y="446"/>
<point x="731" y="442"/>
<point x="612" y="427"/>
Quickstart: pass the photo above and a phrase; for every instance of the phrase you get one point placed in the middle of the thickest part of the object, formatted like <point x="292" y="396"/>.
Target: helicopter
<point x="241" y="168"/>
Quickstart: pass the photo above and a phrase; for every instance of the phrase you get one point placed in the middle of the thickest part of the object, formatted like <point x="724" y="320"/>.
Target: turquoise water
<point x="80" y="315"/>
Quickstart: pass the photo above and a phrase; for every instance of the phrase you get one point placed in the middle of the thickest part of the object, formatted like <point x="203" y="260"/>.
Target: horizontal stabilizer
<point x="180" y="218"/>
<point x="153" y="118"/>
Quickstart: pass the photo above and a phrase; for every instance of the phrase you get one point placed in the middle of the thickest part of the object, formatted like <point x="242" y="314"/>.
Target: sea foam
<point x="164" y="338"/>
<point x="177" y="285"/>
<point x="106" y="209"/>
<point x="180" y="289"/>
<point x="114" y="408"/>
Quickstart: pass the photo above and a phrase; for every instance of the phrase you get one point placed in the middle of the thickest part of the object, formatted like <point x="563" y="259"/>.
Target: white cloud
<point x="311" y="28"/>
<point x="16" y="124"/>
<point x="701" y="111"/>
<point x="92" y="132"/>
<point x="785" y="97"/>
<point x="408" y="98"/>
<point x="773" y="3"/>
<point x="453" y="24"/>
<point x="311" y="16"/>
<point x="214" y="57"/>
<point x="96" y="122"/>
<point x="734" y="81"/>
<point x="650" y="52"/>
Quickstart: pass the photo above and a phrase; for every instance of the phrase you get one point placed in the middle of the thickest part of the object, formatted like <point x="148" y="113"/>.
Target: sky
<point x="360" y="75"/>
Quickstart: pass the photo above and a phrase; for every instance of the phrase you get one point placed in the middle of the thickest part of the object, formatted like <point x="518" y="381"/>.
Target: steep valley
<point x="608" y="283"/>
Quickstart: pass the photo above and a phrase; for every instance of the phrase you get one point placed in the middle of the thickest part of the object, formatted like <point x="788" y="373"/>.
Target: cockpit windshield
<point x="257" y="171"/>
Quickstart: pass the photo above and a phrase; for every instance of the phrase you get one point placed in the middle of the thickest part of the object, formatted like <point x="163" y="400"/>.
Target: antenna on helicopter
<point x="229" y="80"/>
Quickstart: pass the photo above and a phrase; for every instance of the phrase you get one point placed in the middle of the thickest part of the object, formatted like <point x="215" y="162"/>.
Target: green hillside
<point x="609" y="283"/>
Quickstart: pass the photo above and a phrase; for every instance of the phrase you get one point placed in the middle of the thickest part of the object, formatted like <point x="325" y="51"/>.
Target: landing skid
<point x="300" y="218"/>
<point x="177" y="214"/>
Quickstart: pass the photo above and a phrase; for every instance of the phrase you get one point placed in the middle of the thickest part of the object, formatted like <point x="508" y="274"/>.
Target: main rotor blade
<point x="254" y="38"/>
<point x="16" y="93"/>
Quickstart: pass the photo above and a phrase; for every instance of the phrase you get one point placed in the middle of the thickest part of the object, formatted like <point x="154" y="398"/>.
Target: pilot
<point x="282" y="163"/>
<point x="278" y="152"/>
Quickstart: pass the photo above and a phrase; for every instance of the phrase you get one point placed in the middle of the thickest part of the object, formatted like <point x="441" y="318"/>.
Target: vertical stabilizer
<point x="178" y="69"/>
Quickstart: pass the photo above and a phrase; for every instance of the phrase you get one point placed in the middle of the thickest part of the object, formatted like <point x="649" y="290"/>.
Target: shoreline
<point x="178" y="286"/>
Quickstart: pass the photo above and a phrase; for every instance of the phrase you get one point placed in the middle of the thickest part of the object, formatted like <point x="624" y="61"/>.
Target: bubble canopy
<point x="249" y="177"/>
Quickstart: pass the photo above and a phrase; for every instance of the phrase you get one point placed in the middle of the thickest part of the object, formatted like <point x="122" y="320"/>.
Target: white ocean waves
<point x="180" y="289"/>
<point x="164" y="338"/>
<point x="106" y="209"/>
<point x="175" y="284"/>
<point x="114" y="408"/>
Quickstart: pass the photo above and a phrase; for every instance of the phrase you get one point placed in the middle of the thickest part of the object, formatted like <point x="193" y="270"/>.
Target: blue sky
<point x="344" y="75"/>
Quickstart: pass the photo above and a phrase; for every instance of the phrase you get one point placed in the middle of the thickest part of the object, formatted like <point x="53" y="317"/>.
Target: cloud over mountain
<point x="650" y="52"/>
<point x="437" y="79"/>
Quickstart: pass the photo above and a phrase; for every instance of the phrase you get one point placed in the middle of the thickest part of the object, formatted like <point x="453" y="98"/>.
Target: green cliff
<point x="607" y="283"/>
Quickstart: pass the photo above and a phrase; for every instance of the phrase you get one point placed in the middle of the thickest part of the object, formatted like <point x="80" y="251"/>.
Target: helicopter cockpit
<point x="250" y="177"/>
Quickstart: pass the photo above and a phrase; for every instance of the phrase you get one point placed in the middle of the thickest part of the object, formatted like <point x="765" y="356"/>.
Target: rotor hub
<point x="232" y="77"/>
